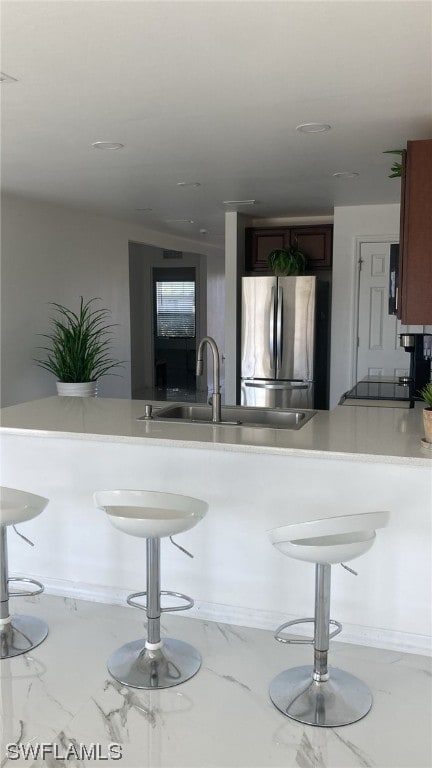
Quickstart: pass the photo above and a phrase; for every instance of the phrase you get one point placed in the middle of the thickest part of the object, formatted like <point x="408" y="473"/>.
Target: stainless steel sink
<point x="236" y="415"/>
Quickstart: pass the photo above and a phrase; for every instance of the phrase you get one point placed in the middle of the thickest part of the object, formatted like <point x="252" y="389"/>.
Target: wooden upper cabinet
<point x="259" y="243"/>
<point x="314" y="241"/>
<point x="316" y="244"/>
<point x="415" y="253"/>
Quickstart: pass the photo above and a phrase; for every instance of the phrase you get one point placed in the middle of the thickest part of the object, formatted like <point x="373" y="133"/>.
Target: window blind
<point x="175" y="308"/>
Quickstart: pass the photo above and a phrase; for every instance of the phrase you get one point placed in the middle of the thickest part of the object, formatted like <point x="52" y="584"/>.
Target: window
<point x="175" y="309"/>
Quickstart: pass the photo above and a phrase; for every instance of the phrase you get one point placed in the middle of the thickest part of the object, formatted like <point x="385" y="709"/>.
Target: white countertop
<point x="389" y="435"/>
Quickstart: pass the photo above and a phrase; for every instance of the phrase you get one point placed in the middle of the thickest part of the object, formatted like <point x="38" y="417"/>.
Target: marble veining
<point x="363" y="759"/>
<point x="61" y="695"/>
<point x="230" y="679"/>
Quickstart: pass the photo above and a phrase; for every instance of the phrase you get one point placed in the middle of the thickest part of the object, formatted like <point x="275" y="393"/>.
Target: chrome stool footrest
<point x="306" y="641"/>
<point x="188" y="601"/>
<point x="30" y="593"/>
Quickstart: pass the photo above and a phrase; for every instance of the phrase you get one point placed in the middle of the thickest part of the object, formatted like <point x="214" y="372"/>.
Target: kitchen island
<point x="352" y="459"/>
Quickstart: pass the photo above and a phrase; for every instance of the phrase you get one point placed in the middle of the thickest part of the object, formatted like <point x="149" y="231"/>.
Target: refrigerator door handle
<point x="271" y="326"/>
<point x="278" y="385"/>
<point x="279" y="349"/>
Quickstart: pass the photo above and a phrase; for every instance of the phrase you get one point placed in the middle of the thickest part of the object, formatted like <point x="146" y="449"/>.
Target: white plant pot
<point x="78" y="389"/>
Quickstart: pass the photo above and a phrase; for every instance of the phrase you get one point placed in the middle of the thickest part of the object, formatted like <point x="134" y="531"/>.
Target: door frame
<point x="142" y="258"/>
<point x="359" y="240"/>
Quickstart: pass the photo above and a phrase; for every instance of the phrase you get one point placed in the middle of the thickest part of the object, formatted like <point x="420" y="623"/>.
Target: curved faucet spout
<point x="216" y="394"/>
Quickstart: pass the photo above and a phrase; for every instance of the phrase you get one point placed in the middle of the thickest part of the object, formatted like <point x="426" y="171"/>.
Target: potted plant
<point x="426" y="394"/>
<point x="79" y="350"/>
<point x="287" y="261"/>
<point x="396" y="167"/>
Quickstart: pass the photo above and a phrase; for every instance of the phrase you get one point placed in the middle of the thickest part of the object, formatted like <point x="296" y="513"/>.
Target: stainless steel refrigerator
<point x="278" y="341"/>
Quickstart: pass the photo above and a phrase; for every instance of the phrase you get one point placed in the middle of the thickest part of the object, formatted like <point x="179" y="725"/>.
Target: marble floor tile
<point x="62" y="695"/>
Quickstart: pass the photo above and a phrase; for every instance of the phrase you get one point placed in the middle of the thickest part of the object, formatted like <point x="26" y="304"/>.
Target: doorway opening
<point x="175" y="328"/>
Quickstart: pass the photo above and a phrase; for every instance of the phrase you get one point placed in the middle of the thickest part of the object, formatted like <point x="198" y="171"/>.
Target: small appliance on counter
<point x="419" y="346"/>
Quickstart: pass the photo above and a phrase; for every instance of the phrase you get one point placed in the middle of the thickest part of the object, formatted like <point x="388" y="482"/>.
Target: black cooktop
<point x="379" y="390"/>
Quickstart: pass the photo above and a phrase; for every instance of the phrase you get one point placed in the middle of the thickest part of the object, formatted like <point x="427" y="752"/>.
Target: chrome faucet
<point x="216" y="395"/>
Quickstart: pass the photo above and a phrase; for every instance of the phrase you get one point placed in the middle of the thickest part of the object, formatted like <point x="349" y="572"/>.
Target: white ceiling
<point x="211" y="92"/>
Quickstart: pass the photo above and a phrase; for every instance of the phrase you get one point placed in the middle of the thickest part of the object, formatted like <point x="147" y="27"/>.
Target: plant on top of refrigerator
<point x="287" y="261"/>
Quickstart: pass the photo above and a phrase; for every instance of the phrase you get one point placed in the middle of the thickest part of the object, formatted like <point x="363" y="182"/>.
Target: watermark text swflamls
<point x="75" y="751"/>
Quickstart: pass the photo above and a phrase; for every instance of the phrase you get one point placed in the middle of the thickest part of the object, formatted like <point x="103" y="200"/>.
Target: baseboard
<point x="404" y="642"/>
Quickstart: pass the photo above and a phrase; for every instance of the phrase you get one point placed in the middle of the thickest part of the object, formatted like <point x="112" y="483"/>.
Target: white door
<point x="378" y="351"/>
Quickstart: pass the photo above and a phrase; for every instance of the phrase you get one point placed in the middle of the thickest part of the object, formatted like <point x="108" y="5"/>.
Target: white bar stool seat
<point x="18" y="633"/>
<point x="317" y="695"/>
<point x="155" y="662"/>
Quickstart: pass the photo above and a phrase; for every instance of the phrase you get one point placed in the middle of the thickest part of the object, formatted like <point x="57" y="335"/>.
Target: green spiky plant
<point x="426" y="394"/>
<point x="79" y="343"/>
<point x="287" y="261"/>
<point x="396" y="167"/>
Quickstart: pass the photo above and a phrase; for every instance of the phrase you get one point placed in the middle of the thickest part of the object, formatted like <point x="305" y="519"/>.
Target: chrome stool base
<point x="340" y="700"/>
<point x="20" y="635"/>
<point x="138" y="667"/>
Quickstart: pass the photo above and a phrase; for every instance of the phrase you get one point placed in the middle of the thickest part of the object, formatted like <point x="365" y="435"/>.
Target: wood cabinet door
<point x="415" y="273"/>
<point x="316" y="244"/>
<point x="259" y="243"/>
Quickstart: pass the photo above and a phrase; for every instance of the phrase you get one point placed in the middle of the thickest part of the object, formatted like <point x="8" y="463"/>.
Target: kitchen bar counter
<point x="389" y="435"/>
<point x="348" y="461"/>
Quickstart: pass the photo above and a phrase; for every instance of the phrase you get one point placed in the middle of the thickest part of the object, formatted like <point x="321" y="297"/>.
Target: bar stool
<point x="317" y="695"/>
<point x="18" y="634"/>
<point x="154" y="662"/>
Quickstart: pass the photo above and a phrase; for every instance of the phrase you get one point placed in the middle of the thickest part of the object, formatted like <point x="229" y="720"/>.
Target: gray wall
<point x="235" y="225"/>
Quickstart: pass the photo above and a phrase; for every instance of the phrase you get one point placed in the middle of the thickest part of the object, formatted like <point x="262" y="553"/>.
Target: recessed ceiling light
<point x="313" y="127"/>
<point x="107" y="145"/>
<point x="179" y="221"/>
<point x="239" y="202"/>
<point x="345" y="174"/>
<point x="4" y="78"/>
<point x="188" y="184"/>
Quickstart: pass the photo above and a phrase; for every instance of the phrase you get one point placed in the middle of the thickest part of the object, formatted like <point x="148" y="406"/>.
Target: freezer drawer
<point x="277" y="394"/>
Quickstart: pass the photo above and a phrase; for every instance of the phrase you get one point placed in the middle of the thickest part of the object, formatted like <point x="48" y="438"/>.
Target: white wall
<point x="54" y="253"/>
<point x="236" y="575"/>
<point x="351" y="223"/>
